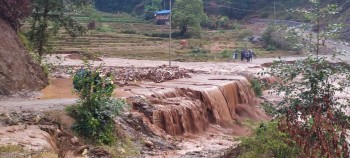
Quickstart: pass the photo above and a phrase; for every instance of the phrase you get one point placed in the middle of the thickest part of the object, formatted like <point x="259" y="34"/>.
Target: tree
<point x="313" y="115"/>
<point x="188" y="13"/>
<point x="94" y="16"/>
<point x="154" y="6"/>
<point x="45" y="12"/>
<point x="14" y="10"/>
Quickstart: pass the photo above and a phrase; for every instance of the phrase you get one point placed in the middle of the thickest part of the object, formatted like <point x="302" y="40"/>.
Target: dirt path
<point x="35" y="105"/>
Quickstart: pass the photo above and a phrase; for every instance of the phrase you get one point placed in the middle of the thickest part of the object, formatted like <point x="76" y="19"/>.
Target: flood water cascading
<point x="189" y="111"/>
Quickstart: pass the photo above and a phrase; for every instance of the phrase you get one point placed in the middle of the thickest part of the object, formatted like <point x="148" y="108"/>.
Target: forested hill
<point x="231" y="8"/>
<point x="234" y="9"/>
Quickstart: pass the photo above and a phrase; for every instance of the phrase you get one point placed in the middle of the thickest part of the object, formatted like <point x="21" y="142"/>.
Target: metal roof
<point x="163" y="12"/>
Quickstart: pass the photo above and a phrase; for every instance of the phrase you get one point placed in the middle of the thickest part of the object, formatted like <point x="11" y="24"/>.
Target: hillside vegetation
<point x="234" y="9"/>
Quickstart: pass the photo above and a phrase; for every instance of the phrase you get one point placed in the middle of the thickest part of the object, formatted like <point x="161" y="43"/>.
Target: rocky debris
<point x="18" y="71"/>
<point x="136" y="122"/>
<point x="141" y="105"/>
<point x="74" y="140"/>
<point x="99" y="153"/>
<point x="148" y="144"/>
<point x="19" y="118"/>
<point x="204" y="154"/>
<point x="127" y="75"/>
<point x="157" y="74"/>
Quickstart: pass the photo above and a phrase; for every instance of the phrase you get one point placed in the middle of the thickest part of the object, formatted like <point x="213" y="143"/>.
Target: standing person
<point x="242" y="54"/>
<point x="251" y="54"/>
<point x="235" y="55"/>
<point x="248" y="56"/>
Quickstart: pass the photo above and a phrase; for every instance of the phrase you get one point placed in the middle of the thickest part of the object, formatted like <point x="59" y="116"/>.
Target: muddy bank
<point x="48" y="134"/>
<point x="18" y="71"/>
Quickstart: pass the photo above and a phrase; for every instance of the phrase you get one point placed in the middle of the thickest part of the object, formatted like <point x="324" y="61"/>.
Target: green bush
<point x="25" y="41"/>
<point x="268" y="141"/>
<point x="225" y="54"/>
<point x="236" y="26"/>
<point x="269" y="42"/>
<point x="257" y="86"/>
<point x="269" y="109"/>
<point x="96" y="109"/>
<point x="198" y="51"/>
<point x="270" y="48"/>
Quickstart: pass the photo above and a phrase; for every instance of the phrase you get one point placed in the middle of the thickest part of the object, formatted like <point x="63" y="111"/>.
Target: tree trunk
<point x="42" y="29"/>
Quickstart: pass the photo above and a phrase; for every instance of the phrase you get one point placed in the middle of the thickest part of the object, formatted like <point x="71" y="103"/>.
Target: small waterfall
<point x="188" y="111"/>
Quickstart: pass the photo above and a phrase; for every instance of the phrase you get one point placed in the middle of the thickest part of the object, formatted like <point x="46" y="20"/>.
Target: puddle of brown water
<point x="62" y="88"/>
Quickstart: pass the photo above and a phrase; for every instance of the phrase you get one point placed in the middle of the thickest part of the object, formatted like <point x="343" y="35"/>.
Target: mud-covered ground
<point x="36" y="121"/>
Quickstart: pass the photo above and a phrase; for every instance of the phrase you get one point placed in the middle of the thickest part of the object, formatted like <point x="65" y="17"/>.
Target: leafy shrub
<point x="217" y="22"/>
<point x="315" y="117"/>
<point x="96" y="109"/>
<point x="198" y="51"/>
<point x="236" y="26"/>
<point x="270" y="48"/>
<point x="269" y="108"/>
<point x="225" y="54"/>
<point x="313" y="112"/>
<point x="269" y="43"/>
<point x="257" y="86"/>
<point x="268" y="141"/>
<point x="25" y="41"/>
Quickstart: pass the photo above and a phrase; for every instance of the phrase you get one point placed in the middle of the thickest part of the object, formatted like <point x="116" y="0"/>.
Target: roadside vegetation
<point x="95" y="111"/>
<point x="267" y="141"/>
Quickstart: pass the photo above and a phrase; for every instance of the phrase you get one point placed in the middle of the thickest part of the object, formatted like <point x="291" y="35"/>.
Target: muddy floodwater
<point x="59" y="88"/>
<point x="62" y="88"/>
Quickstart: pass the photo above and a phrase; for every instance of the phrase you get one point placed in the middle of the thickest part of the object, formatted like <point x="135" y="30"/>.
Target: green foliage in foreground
<point x="268" y="141"/>
<point x="96" y="109"/>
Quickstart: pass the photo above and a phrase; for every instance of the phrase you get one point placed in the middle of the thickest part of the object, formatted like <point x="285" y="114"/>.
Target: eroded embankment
<point x="189" y="106"/>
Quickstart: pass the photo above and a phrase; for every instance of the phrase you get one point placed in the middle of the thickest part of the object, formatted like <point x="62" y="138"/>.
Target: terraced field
<point x="137" y="39"/>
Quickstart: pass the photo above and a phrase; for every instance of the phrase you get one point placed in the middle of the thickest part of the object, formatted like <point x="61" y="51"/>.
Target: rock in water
<point x="18" y="71"/>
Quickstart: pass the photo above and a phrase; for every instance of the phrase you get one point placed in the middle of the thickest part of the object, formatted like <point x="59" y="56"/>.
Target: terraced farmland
<point x="144" y="40"/>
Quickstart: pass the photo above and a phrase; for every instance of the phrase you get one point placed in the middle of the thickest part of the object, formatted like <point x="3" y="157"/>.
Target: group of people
<point x="245" y="55"/>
